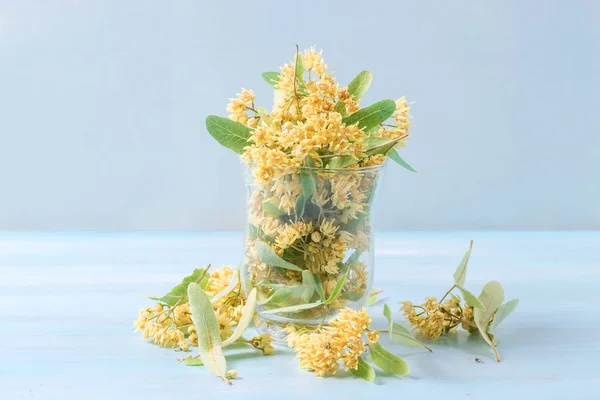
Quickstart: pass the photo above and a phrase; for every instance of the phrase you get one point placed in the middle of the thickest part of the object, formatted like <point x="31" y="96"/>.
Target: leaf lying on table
<point x="179" y="292"/>
<point x="387" y="361"/>
<point x="364" y="370"/>
<point x="399" y="334"/>
<point x="209" y="337"/>
<point x="268" y="256"/>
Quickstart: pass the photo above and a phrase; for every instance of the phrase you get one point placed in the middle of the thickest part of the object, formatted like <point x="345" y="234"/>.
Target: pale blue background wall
<point x="102" y="106"/>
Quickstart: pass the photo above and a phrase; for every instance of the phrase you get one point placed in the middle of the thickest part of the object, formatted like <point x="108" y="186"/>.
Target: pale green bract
<point x="230" y="286"/>
<point x="268" y="256"/>
<point x="387" y="361"/>
<point x="491" y="297"/>
<point x="245" y="320"/>
<point x="209" y="337"/>
<point x="461" y="271"/>
<point x="231" y="134"/>
<point x="504" y="311"/>
<point x="364" y="370"/>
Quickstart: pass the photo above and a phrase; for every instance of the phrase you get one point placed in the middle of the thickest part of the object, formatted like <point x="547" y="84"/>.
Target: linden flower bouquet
<point x="314" y="163"/>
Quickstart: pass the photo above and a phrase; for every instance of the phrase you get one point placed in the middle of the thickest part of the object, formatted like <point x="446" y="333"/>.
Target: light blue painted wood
<point x="67" y="301"/>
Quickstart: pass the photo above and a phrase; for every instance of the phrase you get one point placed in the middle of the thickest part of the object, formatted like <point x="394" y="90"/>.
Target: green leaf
<point x="360" y="84"/>
<point x="308" y="179"/>
<point x="461" y="271"/>
<point x="504" y="311"/>
<point x="398" y="333"/>
<point x="272" y="210"/>
<point x="357" y="87"/>
<point x="337" y="289"/>
<point x="179" y="292"/>
<point x="272" y="78"/>
<point x="193" y="362"/>
<point x="372" y="297"/>
<point x="354" y="257"/>
<point x="268" y="256"/>
<point x="293" y="309"/>
<point x="319" y="287"/>
<point x="341" y="162"/>
<point x="209" y="337"/>
<point x="377" y="145"/>
<point x="299" y="207"/>
<point x="231" y="134"/>
<point x="308" y="285"/>
<point x="252" y="231"/>
<point x="371" y="116"/>
<point x="393" y="154"/>
<point x="232" y="284"/>
<point x="471" y="299"/>
<point x="245" y="319"/>
<point x="364" y="370"/>
<point x="387" y="361"/>
<point x="287" y="295"/>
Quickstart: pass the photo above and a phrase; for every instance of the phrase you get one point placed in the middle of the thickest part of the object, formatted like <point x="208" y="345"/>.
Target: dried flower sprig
<point x="207" y="310"/>
<point x="479" y="314"/>
<point x="345" y="340"/>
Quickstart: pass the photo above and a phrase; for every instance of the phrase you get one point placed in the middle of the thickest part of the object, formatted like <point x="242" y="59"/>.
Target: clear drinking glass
<point x="309" y="243"/>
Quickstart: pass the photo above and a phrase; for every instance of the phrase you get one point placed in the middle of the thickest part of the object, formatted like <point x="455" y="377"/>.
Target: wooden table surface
<point x="67" y="301"/>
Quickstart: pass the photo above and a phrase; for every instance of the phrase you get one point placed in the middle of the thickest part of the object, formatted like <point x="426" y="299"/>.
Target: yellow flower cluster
<point x="306" y="121"/>
<point x="433" y="319"/>
<point x="342" y="340"/>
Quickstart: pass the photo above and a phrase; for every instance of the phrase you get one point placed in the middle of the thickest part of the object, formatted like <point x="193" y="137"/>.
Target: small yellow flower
<point x="231" y="374"/>
<point x="373" y="336"/>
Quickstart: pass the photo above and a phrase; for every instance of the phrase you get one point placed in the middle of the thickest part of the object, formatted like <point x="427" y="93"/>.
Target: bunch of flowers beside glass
<point x="314" y="163"/>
